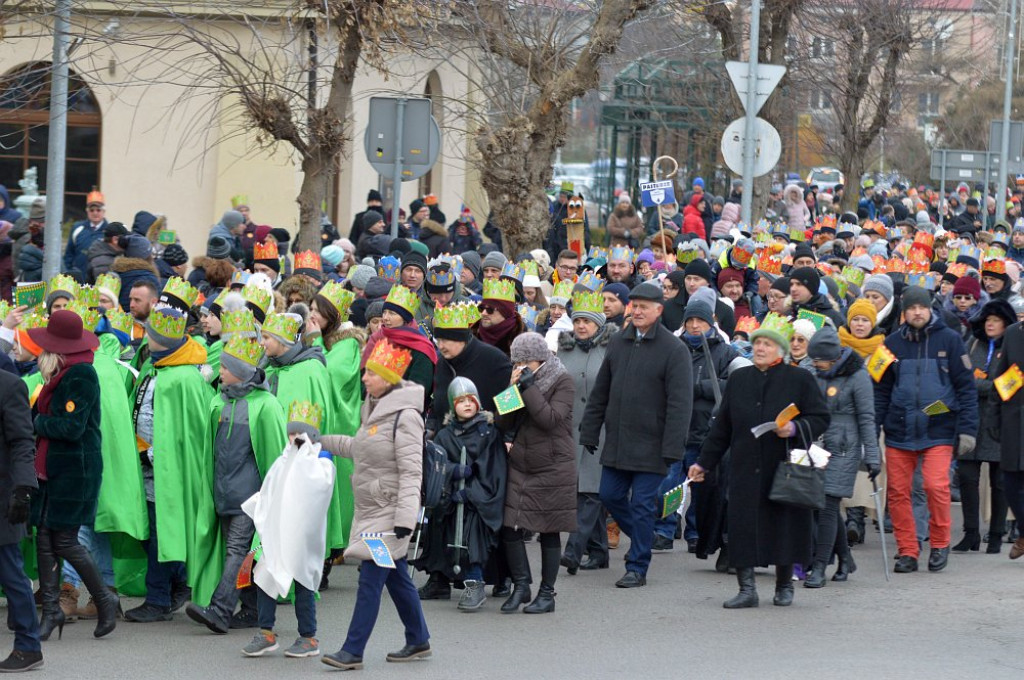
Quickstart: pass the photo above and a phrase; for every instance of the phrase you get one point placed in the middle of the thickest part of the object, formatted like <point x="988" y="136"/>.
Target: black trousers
<point x="831" y="533"/>
<point x="969" y="473"/>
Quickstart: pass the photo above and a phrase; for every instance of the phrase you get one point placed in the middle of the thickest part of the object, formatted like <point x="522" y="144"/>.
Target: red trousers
<point x="899" y="468"/>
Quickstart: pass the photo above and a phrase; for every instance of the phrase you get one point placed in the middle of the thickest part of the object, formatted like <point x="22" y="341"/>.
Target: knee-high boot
<point x="747" y="597"/>
<point x="783" y="585"/>
<point x="49" y="586"/>
<point x="545" y="601"/>
<point x="68" y="547"/>
<point x="519" y="565"/>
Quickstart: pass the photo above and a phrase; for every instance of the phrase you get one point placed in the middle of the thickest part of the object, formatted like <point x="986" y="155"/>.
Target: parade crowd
<point x="216" y="433"/>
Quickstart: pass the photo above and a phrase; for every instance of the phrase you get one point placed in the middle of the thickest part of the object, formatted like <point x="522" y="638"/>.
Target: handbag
<point x="800" y="486"/>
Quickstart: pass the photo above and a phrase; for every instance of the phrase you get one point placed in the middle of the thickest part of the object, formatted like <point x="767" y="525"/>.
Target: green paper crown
<point x="181" y="289"/>
<point x="5" y="309"/>
<point x="244" y="349"/>
<point x="562" y="291"/>
<point x="501" y="289"/>
<point x="306" y="413"/>
<point x="121" y="321"/>
<point x="588" y="301"/>
<point x="169" y="326"/>
<point x="90" y="317"/>
<point x="64" y="283"/>
<point x="530" y="267"/>
<point x="89" y="297"/>
<point x="568" y="186"/>
<point x="341" y="298"/>
<point x="776" y="327"/>
<point x="404" y="298"/>
<point x="111" y="282"/>
<point x="33" y="320"/>
<point x="238" y="321"/>
<point x="282" y="326"/>
<point x="258" y="297"/>
<point x="460" y="315"/>
<point x="854" y="275"/>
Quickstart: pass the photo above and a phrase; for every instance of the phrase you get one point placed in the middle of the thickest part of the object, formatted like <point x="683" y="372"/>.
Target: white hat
<point x="531" y="281"/>
<point x="805" y="328"/>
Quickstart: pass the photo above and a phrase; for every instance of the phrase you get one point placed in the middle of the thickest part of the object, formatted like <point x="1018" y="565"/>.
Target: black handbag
<point x="801" y="486"/>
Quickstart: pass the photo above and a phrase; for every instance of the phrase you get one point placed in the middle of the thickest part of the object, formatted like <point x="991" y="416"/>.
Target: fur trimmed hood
<point x="127" y="264"/>
<point x="433" y="227"/>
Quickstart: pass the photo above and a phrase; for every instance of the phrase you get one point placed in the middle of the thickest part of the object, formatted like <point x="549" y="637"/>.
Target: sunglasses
<point x="486" y="309"/>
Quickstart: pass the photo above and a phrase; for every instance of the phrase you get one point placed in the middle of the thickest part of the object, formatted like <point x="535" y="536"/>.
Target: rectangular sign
<point x="657" y="193"/>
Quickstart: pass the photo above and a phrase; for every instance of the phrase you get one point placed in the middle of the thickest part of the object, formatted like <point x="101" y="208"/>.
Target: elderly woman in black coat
<point x="762" y="532"/>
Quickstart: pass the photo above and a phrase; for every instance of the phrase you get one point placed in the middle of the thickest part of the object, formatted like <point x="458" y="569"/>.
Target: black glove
<point x="526" y="379"/>
<point x="590" y="449"/>
<point x="18" y="507"/>
<point x="458" y="497"/>
<point x="874" y="469"/>
<point x="462" y="472"/>
<point x="668" y="462"/>
<point x="402" y="532"/>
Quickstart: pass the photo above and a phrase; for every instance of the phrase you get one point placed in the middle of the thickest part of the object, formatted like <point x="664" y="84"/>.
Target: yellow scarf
<point x="191" y="353"/>
<point x="865" y="347"/>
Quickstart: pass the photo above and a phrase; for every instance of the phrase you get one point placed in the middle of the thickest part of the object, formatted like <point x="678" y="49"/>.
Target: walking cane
<point x="459" y="514"/>
<point x="420" y="521"/>
<point x="881" y="528"/>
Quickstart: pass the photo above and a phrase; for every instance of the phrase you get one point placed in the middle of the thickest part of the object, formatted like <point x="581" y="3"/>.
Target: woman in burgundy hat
<point x="69" y="466"/>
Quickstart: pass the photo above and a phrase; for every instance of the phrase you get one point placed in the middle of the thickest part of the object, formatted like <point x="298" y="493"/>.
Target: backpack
<point x="436" y="470"/>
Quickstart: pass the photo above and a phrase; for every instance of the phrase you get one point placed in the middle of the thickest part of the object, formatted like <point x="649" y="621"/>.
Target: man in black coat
<point x="462" y="355"/>
<point x="1006" y="418"/>
<point x="646" y="371"/>
<point x="804" y="283"/>
<point x="17" y="480"/>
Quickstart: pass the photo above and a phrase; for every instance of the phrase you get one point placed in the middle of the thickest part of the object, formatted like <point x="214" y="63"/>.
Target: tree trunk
<point x="852" y="166"/>
<point x="316" y="173"/>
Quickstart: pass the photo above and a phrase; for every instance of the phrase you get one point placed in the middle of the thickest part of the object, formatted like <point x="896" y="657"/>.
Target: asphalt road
<point x="964" y="622"/>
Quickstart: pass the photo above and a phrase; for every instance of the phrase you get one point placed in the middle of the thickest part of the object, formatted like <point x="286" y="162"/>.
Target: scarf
<point x="411" y="338"/>
<point x="844" y="356"/>
<point x="190" y="353"/>
<point x="43" y="403"/>
<point x="548" y="373"/>
<point x="492" y="335"/>
<point x="865" y="347"/>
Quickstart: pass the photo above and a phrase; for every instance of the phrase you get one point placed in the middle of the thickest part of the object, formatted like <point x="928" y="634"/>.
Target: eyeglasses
<point x="963" y="297"/>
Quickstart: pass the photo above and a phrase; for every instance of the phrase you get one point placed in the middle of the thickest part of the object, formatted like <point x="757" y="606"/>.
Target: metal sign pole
<point x="748" y="143"/>
<point x="942" y="192"/>
<point x="57" y="141"/>
<point x="1004" y="146"/>
<point x="396" y="177"/>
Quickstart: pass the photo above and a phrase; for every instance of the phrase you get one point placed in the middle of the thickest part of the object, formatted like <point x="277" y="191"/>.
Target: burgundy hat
<point x="64" y="334"/>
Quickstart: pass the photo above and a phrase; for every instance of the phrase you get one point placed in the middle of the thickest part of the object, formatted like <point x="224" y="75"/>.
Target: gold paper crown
<point x="824" y="268"/>
<point x="306" y="413"/>
<point x="500" y="289"/>
<point x="957" y="269"/>
<point x="163" y="323"/>
<point x="307" y="259"/>
<point x="258" y="297"/>
<point x="460" y="315"/>
<point x="590" y="280"/>
<point x="340" y="298"/>
<point x="238" y="321"/>
<point x="265" y="251"/>
<point x="588" y="301"/>
<point x="64" y="283"/>
<point x="182" y="290"/>
<point x="623" y="253"/>
<point x="244" y="349"/>
<point x="994" y="267"/>
<point x="562" y="290"/>
<point x="111" y="282"/>
<point x="120" y="321"/>
<point x="90" y="317"/>
<point x="282" y="327"/>
<point x="388" y="361"/>
<point x="94" y="196"/>
<point x="770" y="265"/>
<point x="404" y="298"/>
<point x="89" y="297"/>
<point x="513" y="271"/>
<point x="897" y="265"/>
<point x="924" y="238"/>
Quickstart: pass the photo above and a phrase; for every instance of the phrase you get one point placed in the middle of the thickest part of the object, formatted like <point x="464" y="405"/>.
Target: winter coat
<point x="1007" y="417"/>
<point x="8" y="213"/>
<point x="387" y="453"/>
<point x="986" y="449"/>
<point x="583" y="365"/>
<point x="30" y="262"/>
<point x="851" y="435"/>
<point x="74" y="460"/>
<point x="541" y="492"/>
<point x="822" y="305"/>
<point x="488" y="367"/>
<point x="672" y="316"/>
<point x="435" y="237"/>
<point x="932" y="365"/>
<point x="17" y="449"/>
<point x="643" y="398"/>
<point x="693" y="220"/>
<point x="964" y="223"/>
<point x="165" y="271"/>
<point x="797" y="215"/>
<point x="724" y="358"/>
<point x="625" y="228"/>
<point x="132" y="270"/>
<point x="728" y="220"/>
<point x="83" y="235"/>
<point x="101" y="256"/>
<point x="762" y="532"/>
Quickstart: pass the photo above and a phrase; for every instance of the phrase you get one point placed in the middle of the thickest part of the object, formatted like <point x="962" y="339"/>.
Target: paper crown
<point x="957" y="269"/>
<point x="995" y="253"/>
<point x="797" y="234"/>
<point x="528" y="315"/>
<point x="307" y="413"/>
<point x="404" y="298"/>
<point x="454" y="262"/>
<point x="777" y="324"/>
<point x="441" y="277"/>
<point x="458" y="316"/>
<point x="166" y="237"/>
<point x="33" y="320"/>
<point x="120" y="321"/>
<point x="182" y="290"/>
<point x="5" y="309"/>
<point x="590" y="280"/>
<point x="265" y="251"/>
<point x="854" y="275"/>
<point x="244" y="349"/>
<point x="824" y="268"/>
<point x="65" y="284"/>
<point x="588" y="301"/>
<point x="781" y="229"/>
<point x="388" y="268"/>
<point x="218" y="301"/>
<point x="621" y="254"/>
<point x="994" y="267"/>
<point x="239" y="321"/>
<point x="163" y="323"/>
<point x="926" y="281"/>
<point x="1001" y="238"/>
<point x="307" y="259"/>
<point x="897" y="265"/>
<point x="718" y="248"/>
<point x="770" y="265"/>
<point x="880" y="264"/>
<point x="90" y="317"/>
<point x="971" y="252"/>
<point x="561" y="291"/>
<point x="239" y="200"/>
<point x="741" y="253"/>
<point x="94" y="196"/>
<point x="567" y="186"/>
<point x="827" y="222"/>
<point x="513" y="271"/>
<point x="260" y="298"/>
<point x="239" y="279"/>
<point x="597" y="252"/>
<point x="762" y="237"/>
<point x="687" y="253"/>
<point x="339" y="297"/>
<point x="530" y="267"/>
<point x="747" y="325"/>
<point x="893" y="234"/>
<point x="111" y="282"/>
<point x="923" y="238"/>
<point x="501" y="289"/>
<point x="388" y="361"/>
<point x="89" y="297"/>
<point x="282" y="327"/>
<point x="842" y="284"/>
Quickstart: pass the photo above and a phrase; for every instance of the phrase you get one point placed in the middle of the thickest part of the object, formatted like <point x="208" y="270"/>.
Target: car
<point x="825" y="178"/>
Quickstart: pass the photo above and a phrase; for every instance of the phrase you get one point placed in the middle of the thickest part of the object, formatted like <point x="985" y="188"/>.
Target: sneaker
<point x="148" y="612"/>
<point x="303" y="647"/>
<point x="245" y="618"/>
<point x="262" y="642"/>
<point x="207" y="617"/>
<point x="20" y="661"/>
<point x="661" y="544"/>
<point x="69" y="597"/>
<point x="180" y="594"/>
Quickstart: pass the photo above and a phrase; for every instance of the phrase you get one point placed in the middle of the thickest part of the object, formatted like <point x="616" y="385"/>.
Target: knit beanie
<point x="824" y="345"/>
<point x="915" y="295"/>
<point x="700" y="310"/>
<point x="406" y="315"/>
<point x="700" y="268"/>
<point x="678" y="277"/>
<point x="376" y="287"/>
<point x="495" y="259"/>
<point x="332" y="255"/>
<point x="370" y="218"/>
<point x="705" y="294"/>
<point x="967" y="285"/>
<point x="619" y="290"/>
<point x="174" y="255"/>
<point x="360" y="275"/>
<point x="880" y="283"/>
<point x="374" y="310"/>
<point x="808" y="277"/>
<point x="471" y="261"/>
<point x="218" y="248"/>
<point x="803" y="250"/>
<point x="804" y="327"/>
<point x="137" y="246"/>
<point x="529" y="347"/>
<point x="232" y="219"/>
<point x="781" y="284"/>
<point x="729" y="274"/>
<point x="415" y="259"/>
<point x="237" y="367"/>
<point x="862" y="307"/>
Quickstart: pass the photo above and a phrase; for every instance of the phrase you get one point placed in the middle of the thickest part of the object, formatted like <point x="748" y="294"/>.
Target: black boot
<point x="519" y="565"/>
<point x="995" y="543"/>
<point x="49" y="586"/>
<point x="437" y="587"/>
<point x="722" y="563"/>
<point x="543" y="603"/>
<point x="855" y="525"/>
<point x="970" y="541"/>
<point x="846" y="566"/>
<point x="747" y="597"/>
<point x="72" y="551"/>
<point x="783" y="585"/>
<point x="549" y="562"/>
<point x="816" y="579"/>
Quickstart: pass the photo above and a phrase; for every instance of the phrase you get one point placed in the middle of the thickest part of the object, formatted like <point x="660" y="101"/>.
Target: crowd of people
<point x="437" y="406"/>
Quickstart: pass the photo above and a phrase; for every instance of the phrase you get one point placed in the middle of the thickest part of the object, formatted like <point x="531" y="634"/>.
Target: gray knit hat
<point x="360" y="275"/>
<point x="597" y="318"/>
<point x="880" y="283"/>
<point x="529" y="347"/>
<point x="699" y="309"/>
<point x="825" y="344"/>
<point x="374" y="310"/>
<point x="495" y="259"/>
<point x="237" y="367"/>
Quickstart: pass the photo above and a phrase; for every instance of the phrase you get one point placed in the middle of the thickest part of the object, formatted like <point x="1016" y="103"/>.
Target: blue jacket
<point x="1016" y="254"/>
<point x="932" y="365"/>
<point x="82" y="236"/>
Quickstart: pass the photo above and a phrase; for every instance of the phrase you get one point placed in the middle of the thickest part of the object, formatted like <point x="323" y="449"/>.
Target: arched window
<point x="24" y="133"/>
<point x="431" y="183"/>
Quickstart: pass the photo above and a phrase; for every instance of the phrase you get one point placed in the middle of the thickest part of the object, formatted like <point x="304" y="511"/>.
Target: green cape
<point x="213" y="351"/>
<point x="343" y="418"/>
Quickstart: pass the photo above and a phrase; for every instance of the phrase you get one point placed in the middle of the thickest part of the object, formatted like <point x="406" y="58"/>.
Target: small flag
<point x="378" y="550"/>
<point x="1008" y="383"/>
<point x="509" y="400"/>
<point x="817" y="319"/>
<point x="30" y="294"/>
<point x="674" y="499"/>
<point x="936" y="408"/>
<point x="167" y="237"/>
<point x="879" y="362"/>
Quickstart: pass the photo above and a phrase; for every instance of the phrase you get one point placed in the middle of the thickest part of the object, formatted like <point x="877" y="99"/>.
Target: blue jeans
<point x="98" y="546"/>
<point x="690" y="530"/>
<point x="160" y="576"/>
<point x="632" y="499"/>
<point x="305" y="610"/>
<point x="475" y="572"/>
<point x="372" y="581"/>
<point x="21" y="608"/>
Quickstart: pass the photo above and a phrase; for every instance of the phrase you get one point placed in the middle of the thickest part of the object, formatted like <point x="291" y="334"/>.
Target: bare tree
<point x="965" y="122"/>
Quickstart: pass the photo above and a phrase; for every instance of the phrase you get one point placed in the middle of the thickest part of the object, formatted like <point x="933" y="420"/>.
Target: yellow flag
<point x="1008" y="383"/>
<point x="879" y="362"/>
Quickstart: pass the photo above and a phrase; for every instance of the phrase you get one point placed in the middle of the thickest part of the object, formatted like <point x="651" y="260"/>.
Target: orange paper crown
<point x="770" y="265"/>
<point x="994" y="267"/>
<point x="897" y="265"/>
<point x="307" y="259"/>
<point x="265" y="251"/>
<point x="747" y="324"/>
<point x="389" y="361"/>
